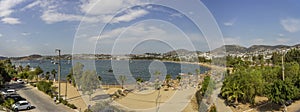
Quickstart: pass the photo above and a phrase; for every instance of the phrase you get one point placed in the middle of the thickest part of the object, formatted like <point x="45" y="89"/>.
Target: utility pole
<point x="59" y="72"/>
<point x="66" y="89"/>
<point x="282" y="64"/>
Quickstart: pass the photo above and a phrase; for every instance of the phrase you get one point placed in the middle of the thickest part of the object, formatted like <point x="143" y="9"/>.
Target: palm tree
<point x="168" y="79"/>
<point x="122" y="78"/>
<point x="53" y="72"/>
<point x="197" y="71"/>
<point x="157" y="74"/>
<point x="47" y="75"/>
<point x="69" y="77"/>
<point x="232" y="92"/>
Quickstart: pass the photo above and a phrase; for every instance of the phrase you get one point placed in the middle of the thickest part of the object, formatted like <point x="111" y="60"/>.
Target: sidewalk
<point x="45" y="97"/>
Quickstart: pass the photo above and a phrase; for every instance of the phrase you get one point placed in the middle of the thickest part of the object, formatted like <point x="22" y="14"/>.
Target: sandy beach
<point x="73" y="95"/>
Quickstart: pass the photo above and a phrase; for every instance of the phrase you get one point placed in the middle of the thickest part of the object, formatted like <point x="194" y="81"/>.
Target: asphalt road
<point x="40" y="101"/>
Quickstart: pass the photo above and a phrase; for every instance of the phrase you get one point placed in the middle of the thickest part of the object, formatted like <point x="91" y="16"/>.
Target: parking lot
<point x="39" y="101"/>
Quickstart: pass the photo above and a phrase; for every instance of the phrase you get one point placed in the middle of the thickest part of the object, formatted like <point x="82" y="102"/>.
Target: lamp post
<point x="282" y="63"/>
<point x="66" y="89"/>
<point x="59" y="72"/>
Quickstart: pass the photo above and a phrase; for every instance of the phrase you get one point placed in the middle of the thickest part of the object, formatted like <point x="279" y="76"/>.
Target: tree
<point x="20" y="69"/>
<point x="292" y="70"/>
<point x="157" y="82"/>
<point x="261" y="59"/>
<point x="53" y="72"/>
<point x="4" y="75"/>
<point x="70" y="77"/>
<point x="293" y="55"/>
<point x="77" y="73"/>
<point x="47" y="75"/>
<point x="168" y="78"/>
<point x="27" y="68"/>
<point x="89" y="82"/>
<point x="281" y="91"/>
<point x="232" y="92"/>
<point x="122" y="78"/>
<point x="139" y="79"/>
<point x="157" y="74"/>
<point x="197" y="71"/>
<point x="178" y="77"/>
<point x="276" y="58"/>
<point x="99" y="78"/>
<point x="38" y="71"/>
<point x="23" y="75"/>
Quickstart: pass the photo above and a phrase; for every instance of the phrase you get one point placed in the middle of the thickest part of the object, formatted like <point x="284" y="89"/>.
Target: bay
<point x="110" y="69"/>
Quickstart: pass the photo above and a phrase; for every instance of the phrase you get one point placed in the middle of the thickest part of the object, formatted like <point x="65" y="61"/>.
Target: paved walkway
<point x="41" y="101"/>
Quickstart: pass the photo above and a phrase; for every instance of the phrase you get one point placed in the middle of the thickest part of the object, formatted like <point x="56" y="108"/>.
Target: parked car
<point x="20" y="81"/>
<point x="10" y="96"/>
<point x="9" y="91"/>
<point x="15" y="97"/>
<point x="21" y="105"/>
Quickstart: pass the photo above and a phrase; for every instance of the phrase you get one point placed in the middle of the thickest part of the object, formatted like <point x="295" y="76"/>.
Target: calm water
<point x="134" y="68"/>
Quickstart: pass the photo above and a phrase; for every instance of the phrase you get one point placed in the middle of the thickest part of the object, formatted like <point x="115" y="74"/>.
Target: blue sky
<point x="131" y="26"/>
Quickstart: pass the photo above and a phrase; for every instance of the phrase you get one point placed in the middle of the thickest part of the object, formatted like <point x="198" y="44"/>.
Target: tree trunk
<point x="285" y="109"/>
<point x="236" y="100"/>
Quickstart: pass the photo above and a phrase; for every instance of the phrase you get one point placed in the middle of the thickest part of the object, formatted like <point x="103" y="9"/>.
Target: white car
<point x="21" y="105"/>
<point x="9" y="91"/>
<point x="20" y="81"/>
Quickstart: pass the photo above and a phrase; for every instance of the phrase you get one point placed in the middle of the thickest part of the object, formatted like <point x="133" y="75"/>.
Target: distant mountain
<point x="265" y="47"/>
<point x="298" y="46"/>
<point x="254" y="48"/>
<point x="230" y="49"/>
<point x="181" y="51"/>
<point x="2" y="57"/>
<point x="30" y="57"/>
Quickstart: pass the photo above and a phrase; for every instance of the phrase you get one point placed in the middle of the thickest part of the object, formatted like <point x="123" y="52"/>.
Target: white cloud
<point x="50" y="16"/>
<point x="291" y="24"/>
<point x="6" y="7"/>
<point x="100" y="7"/>
<point x="32" y="4"/>
<point x="282" y="40"/>
<point x="232" y="40"/>
<point x="1" y="35"/>
<point x="230" y="23"/>
<point x="281" y="35"/>
<point x="94" y="11"/>
<point x="130" y="15"/>
<point x="25" y="33"/>
<point x="9" y="20"/>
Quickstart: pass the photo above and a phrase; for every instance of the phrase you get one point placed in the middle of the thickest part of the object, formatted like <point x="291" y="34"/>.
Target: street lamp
<point x="58" y="51"/>
<point x="282" y="63"/>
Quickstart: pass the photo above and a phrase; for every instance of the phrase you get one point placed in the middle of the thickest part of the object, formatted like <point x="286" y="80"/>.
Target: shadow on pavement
<point x="269" y="107"/>
<point x="100" y="97"/>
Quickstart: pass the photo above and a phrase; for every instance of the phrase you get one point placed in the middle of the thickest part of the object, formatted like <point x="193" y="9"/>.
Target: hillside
<point x="181" y="51"/>
<point x="253" y="48"/>
<point x="230" y="49"/>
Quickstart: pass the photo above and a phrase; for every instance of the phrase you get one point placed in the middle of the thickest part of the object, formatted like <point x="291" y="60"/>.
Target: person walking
<point x="54" y="99"/>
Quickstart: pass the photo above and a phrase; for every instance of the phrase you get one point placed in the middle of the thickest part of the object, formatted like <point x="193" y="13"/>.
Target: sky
<point x="137" y="26"/>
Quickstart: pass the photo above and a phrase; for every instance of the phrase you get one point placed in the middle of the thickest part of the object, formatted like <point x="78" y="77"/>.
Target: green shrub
<point x="60" y="99"/>
<point x="64" y="102"/>
<point x="88" y="110"/>
<point x="71" y="106"/>
<point x="44" y="86"/>
<point x="8" y="103"/>
<point x="33" y="84"/>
